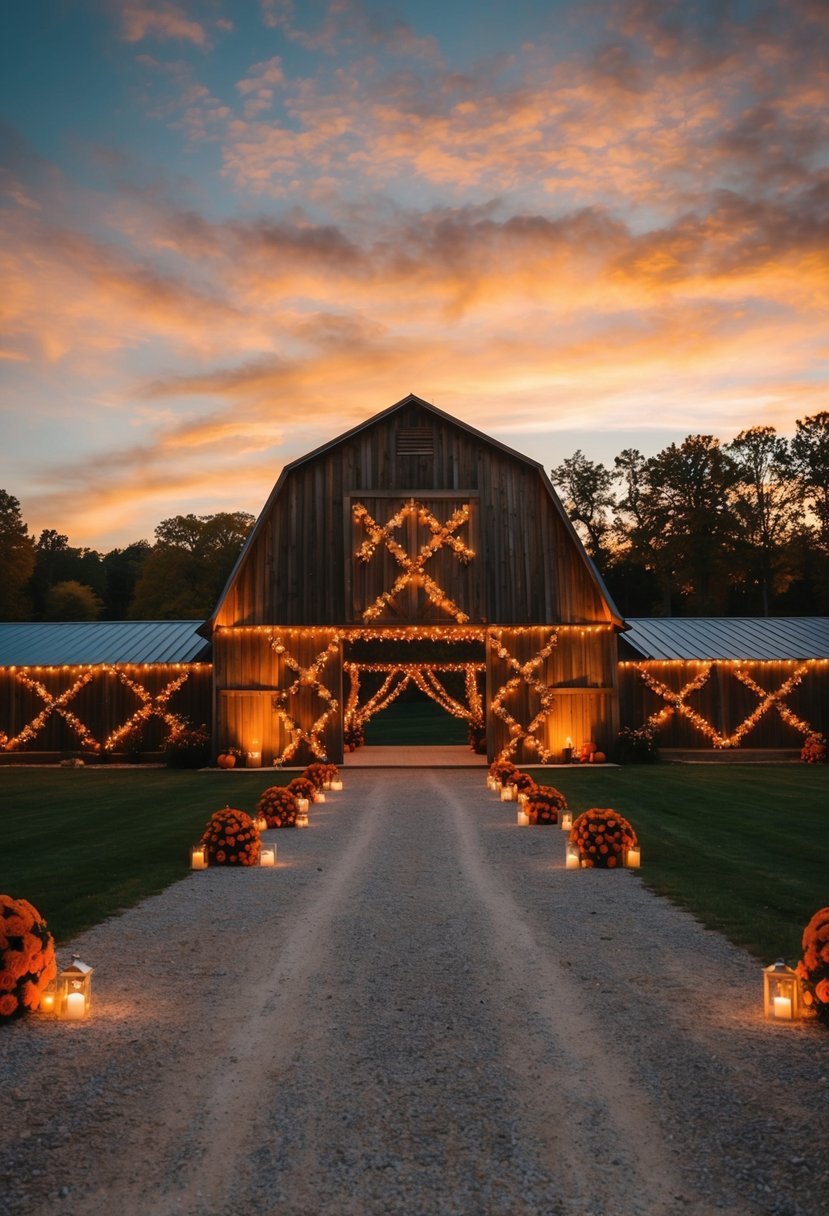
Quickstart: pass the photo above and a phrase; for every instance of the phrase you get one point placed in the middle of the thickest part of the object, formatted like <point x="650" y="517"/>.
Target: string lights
<point x="676" y="702"/>
<point x="151" y="707"/>
<point x="308" y="678"/>
<point x="413" y="567"/>
<point x="424" y="677"/>
<point x="55" y="705"/>
<point x="524" y="673"/>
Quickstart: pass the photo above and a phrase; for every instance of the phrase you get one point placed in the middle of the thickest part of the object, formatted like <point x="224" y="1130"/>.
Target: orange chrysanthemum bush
<point x="523" y="782"/>
<point x="27" y="957"/>
<point x="813" y="968"/>
<point x="544" y="804"/>
<point x="317" y="773"/>
<point x="278" y="806"/>
<point x="603" y="837"/>
<point x="813" y="750"/>
<point x="503" y="771"/>
<point x="231" y="839"/>
<point x="301" y="787"/>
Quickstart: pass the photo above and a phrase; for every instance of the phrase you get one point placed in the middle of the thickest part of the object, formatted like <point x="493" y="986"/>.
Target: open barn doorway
<point x="413" y="700"/>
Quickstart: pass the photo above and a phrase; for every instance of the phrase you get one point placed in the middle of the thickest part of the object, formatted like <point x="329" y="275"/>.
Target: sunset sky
<point x="231" y="231"/>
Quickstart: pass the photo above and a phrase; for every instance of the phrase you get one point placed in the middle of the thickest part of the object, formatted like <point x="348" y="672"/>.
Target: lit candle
<point x="336" y="785"/>
<point x="783" y="1007"/>
<point x="47" y="1002"/>
<point x="568" y="742"/>
<point x="522" y="818"/>
<point x="302" y="806"/>
<point x="75" y="1006"/>
<point x="566" y="821"/>
<point x="573" y="859"/>
<point x="320" y="796"/>
<point x="261" y="823"/>
<point x="198" y="858"/>
<point x="267" y="855"/>
<point x="254" y="759"/>
<point x="634" y="858"/>
<point x="506" y="793"/>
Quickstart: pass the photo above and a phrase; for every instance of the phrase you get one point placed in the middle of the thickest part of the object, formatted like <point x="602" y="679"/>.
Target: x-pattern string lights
<point x="310" y="678"/>
<point x="151" y="707"/>
<point x="54" y="704"/>
<point x="423" y="676"/>
<point x="676" y="703"/>
<point x="526" y="673"/>
<point x="413" y="571"/>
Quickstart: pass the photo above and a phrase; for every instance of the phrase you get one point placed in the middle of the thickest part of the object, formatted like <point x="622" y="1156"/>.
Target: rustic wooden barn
<point x="726" y="683"/>
<point x="414" y="528"/>
<point x="99" y="689"/>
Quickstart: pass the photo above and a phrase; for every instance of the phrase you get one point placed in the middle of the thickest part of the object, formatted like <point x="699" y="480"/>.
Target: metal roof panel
<point x="762" y="639"/>
<point x="87" y="643"/>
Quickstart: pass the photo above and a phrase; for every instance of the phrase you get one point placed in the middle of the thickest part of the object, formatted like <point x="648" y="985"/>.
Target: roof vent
<point x="415" y="441"/>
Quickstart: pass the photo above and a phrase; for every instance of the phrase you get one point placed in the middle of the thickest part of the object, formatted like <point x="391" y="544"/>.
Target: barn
<point x="448" y="552"/>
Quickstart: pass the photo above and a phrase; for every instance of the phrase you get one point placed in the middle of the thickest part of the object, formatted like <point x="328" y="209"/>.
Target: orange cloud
<point x="163" y="22"/>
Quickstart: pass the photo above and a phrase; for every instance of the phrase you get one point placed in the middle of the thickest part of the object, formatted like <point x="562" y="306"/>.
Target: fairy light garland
<point x="306" y="677"/>
<point x="524" y="673"/>
<point x="676" y="703"/>
<point x="423" y="676"/>
<point x="413" y="567"/>
<point x="54" y="705"/>
<point x="151" y="707"/>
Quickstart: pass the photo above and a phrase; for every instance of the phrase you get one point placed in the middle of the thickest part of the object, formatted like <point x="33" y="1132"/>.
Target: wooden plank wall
<point x="102" y="705"/>
<point x="527" y="566"/>
<point x="725" y="702"/>
<point x="582" y="671"/>
<point x="248" y="672"/>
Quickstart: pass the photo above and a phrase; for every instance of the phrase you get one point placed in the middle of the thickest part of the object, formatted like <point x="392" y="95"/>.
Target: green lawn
<point x="419" y="721"/>
<point x="745" y="848"/>
<point x="81" y="844"/>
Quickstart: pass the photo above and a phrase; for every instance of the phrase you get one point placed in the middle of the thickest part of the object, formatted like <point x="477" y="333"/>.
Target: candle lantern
<point x="253" y="759"/>
<point x="320" y="796"/>
<point x="73" y="995"/>
<point x="198" y="857"/>
<point x="491" y="783"/>
<point x="781" y="993"/>
<point x="633" y="857"/>
<point x="522" y="818"/>
<point x="260" y="823"/>
<point x="336" y="784"/>
<point x="566" y="821"/>
<point x="568" y="750"/>
<point x="48" y="998"/>
<point x="267" y="855"/>
<point x="573" y="861"/>
<point x="506" y="793"/>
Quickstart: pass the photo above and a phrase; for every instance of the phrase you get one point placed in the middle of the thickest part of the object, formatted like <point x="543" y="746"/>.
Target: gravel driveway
<point x="418" y="1011"/>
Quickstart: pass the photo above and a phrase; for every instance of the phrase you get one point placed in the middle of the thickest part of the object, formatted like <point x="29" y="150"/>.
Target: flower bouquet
<point x="813" y="968"/>
<point x="318" y="774"/>
<point x="523" y="782"/>
<point x="544" y="804"/>
<point x="503" y="771"/>
<point x="278" y="806"/>
<point x="814" y="750"/>
<point x="302" y="787"/>
<point x="231" y="839"/>
<point x="27" y="957"/>
<point x="603" y="837"/>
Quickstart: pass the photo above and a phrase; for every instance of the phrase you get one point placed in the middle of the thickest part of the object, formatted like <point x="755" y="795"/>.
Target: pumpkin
<point x="598" y="757"/>
<point x="226" y="760"/>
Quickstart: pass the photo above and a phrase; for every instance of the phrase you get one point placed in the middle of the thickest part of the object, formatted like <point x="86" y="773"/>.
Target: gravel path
<point x="419" y="1011"/>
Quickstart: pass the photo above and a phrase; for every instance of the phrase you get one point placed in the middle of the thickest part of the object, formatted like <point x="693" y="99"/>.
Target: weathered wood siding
<point x="300" y="567"/>
<point x="102" y="705"/>
<point x="724" y="702"/>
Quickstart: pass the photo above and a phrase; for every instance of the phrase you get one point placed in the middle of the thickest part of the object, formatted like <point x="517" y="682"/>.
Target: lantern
<point x="633" y="857"/>
<point x="566" y="821"/>
<point x="506" y="793"/>
<point x="48" y="998"/>
<point x="573" y="861"/>
<point x="521" y="817"/>
<point x="781" y="993"/>
<point x="302" y="813"/>
<point x="491" y="783"/>
<point x="73" y="998"/>
<point x="198" y="857"/>
<point x="568" y="750"/>
<point x="336" y="784"/>
<point x="260" y="823"/>
<point x="320" y="796"/>
<point x="267" y="855"/>
<point x="253" y="759"/>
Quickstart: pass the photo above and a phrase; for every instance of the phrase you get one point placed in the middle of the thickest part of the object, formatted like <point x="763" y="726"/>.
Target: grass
<point x="417" y="721"/>
<point x="83" y="844"/>
<point x="744" y="848"/>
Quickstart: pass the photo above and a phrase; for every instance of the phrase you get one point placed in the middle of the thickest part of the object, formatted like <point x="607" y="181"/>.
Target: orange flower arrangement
<point x="231" y="839"/>
<point x="813" y="968"/>
<point x="503" y="771"/>
<point x="317" y="773"/>
<point x="302" y="787"/>
<point x="603" y="837"/>
<point x="544" y="804"/>
<point x="278" y="806"/>
<point x="27" y="957"/>
<point x="523" y="782"/>
<point x="813" y="750"/>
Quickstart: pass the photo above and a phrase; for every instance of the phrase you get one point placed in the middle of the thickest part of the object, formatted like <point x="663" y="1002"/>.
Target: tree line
<point x="700" y="529"/>
<point x="710" y="529"/>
